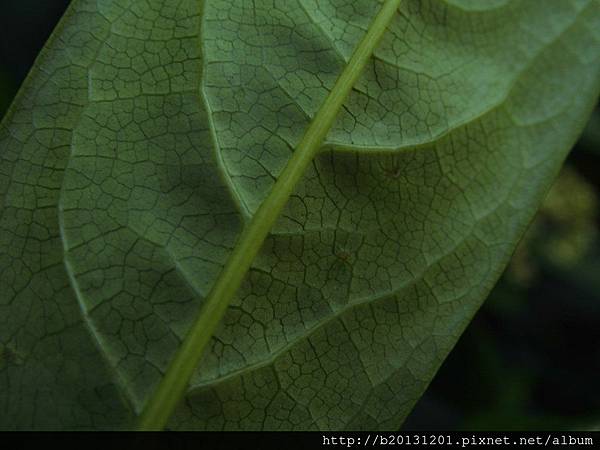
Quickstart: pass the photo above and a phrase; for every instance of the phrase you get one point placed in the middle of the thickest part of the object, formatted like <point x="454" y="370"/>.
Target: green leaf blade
<point x="136" y="159"/>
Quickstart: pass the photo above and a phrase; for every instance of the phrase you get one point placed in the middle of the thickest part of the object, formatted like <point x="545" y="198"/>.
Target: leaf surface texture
<point x="148" y="133"/>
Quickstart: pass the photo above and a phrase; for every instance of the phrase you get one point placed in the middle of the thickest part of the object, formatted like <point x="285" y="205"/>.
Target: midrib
<point x="172" y="387"/>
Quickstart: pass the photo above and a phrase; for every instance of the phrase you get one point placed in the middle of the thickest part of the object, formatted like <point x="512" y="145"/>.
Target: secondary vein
<point x="172" y="387"/>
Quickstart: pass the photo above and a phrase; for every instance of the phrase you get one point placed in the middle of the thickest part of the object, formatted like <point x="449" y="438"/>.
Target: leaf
<point x="149" y="132"/>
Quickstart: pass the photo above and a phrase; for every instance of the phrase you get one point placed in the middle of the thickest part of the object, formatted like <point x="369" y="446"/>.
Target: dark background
<point x="531" y="357"/>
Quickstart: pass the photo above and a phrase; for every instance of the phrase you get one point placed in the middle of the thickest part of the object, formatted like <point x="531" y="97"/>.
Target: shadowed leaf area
<point x="148" y="133"/>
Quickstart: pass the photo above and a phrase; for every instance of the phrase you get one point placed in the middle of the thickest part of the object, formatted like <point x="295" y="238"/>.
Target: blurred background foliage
<point x="531" y="357"/>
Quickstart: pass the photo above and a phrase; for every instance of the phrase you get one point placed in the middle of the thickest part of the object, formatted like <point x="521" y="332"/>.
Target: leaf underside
<point x="148" y="133"/>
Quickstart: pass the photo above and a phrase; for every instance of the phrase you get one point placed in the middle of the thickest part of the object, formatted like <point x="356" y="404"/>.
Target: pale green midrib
<point x="174" y="384"/>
